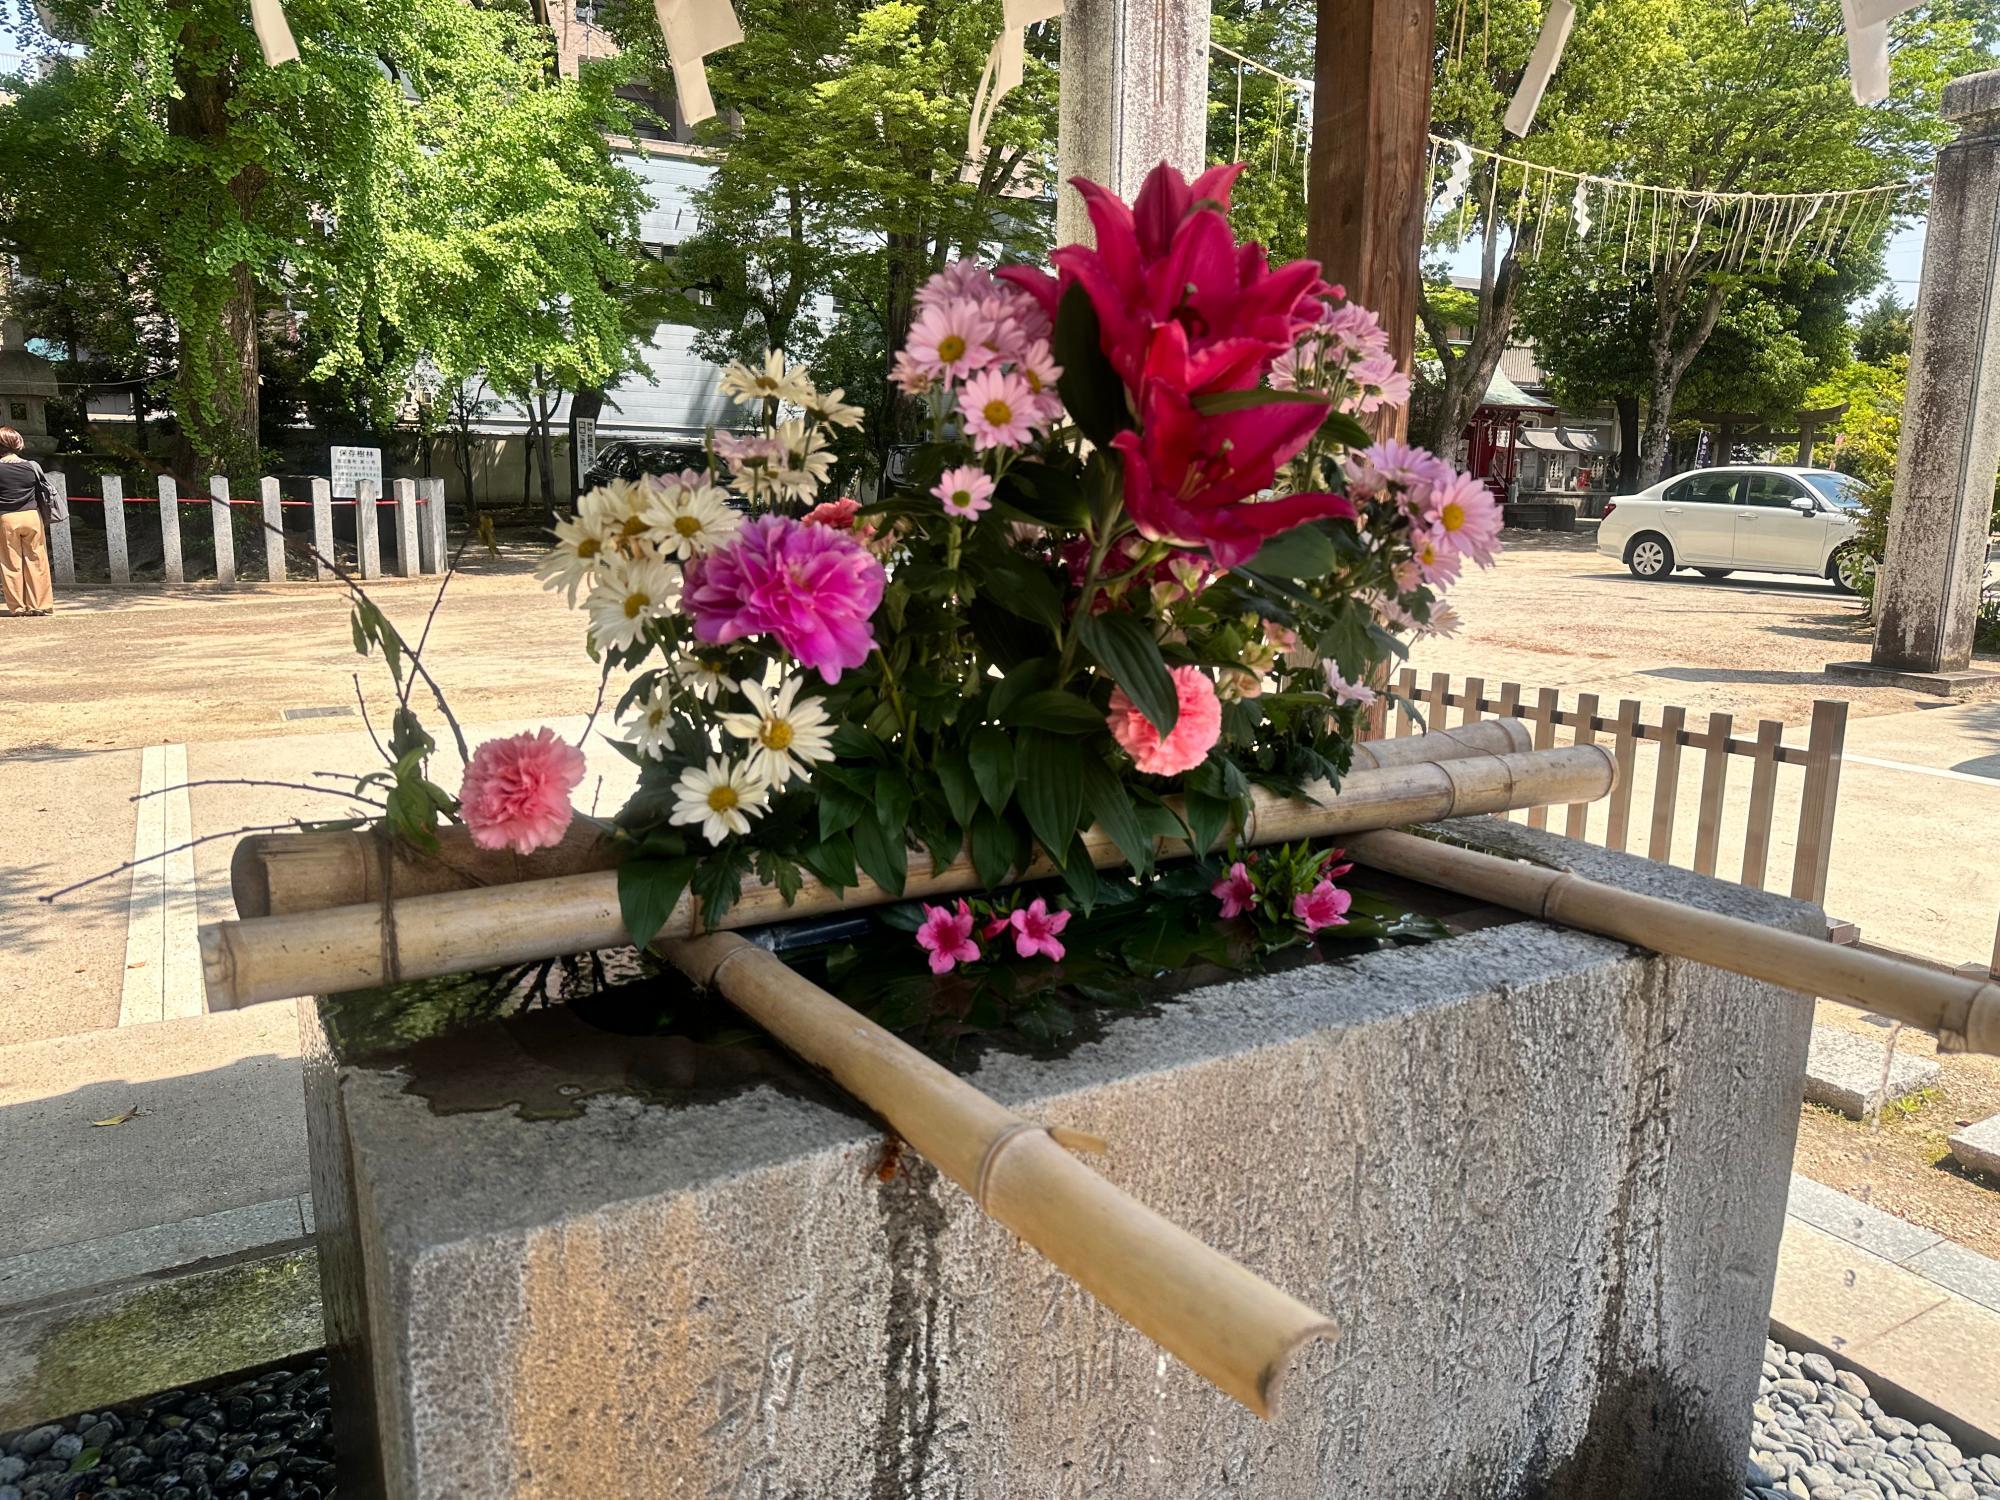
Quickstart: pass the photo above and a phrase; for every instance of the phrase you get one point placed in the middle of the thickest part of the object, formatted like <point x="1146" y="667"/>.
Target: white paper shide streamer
<point x="1579" y="209"/>
<point x="1002" y="73"/>
<point x="1459" y="179"/>
<point x="1868" y="44"/>
<point x="274" y="33"/>
<point x="1541" y="66"/>
<point x="694" y="29"/>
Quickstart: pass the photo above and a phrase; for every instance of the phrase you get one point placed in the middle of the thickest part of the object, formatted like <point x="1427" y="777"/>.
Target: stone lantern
<point x="27" y="385"/>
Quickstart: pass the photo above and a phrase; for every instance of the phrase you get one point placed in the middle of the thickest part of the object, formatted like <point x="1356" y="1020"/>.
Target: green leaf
<point x="1124" y="646"/>
<point x="1207" y="816"/>
<point x="360" y="635"/>
<point x="647" y="892"/>
<point x="1089" y="386"/>
<point x="1216" y="403"/>
<point x="893" y="796"/>
<point x="832" y="860"/>
<point x="776" y="870"/>
<point x="1080" y="877"/>
<point x="1058" y="712"/>
<point x="992" y="757"/>
<point x="839" y="808"/>
<point x="993" y="848"/>
<point x="1050" y="768"/>
<point x="1045" y="495"/>
<point x="883" y="857"/>
<point x="718" y="882"/>
<point x="1346" y="431"/>
<point x="1303" y="552"/>
<point x="961" y="790"/>
<point x="1111" y="805"/>
<point x="1009" y="640"/>
<point x="1023" y="588"/>
<point x="1018" y="683"/>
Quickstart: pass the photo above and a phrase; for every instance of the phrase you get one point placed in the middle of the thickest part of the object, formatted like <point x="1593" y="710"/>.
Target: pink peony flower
<point x="1000" y="409"/>
<point x="1325" y="905"/>
<point x="949" y="340"/>
<point x="964" y="492"/>
<point x="516" y="791"/>
<point x="1194" y="733"/>
<point x="1236" y="891"/>
<point x="1036" y="928"/>
<point x="947" y="936"/>
<point x="810" y="586"/>
<point x="1464" y="520"/>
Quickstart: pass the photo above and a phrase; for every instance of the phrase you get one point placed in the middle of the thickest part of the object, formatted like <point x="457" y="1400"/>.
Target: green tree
<point x="416" y="170"/>
<point x="1883" y="331"/>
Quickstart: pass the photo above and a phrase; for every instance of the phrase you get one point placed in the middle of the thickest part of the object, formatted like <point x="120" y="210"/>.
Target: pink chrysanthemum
<point x="1194" y="733"/>
<point x="1464" y="519"/>
<point x="1354" y="333"/>
<point x="1000" y="409"/>
<point x="1236" y="891"/>
<point x="949" y="340"/>
<point x="964" y="492"/>
<point x="959" y="280"/>
<point x="1036" y="928"/>
<point x="516" y="791"/>
<point x="1344" y="691"/>
<point x="1325" y="905"/>
<point x="1393" y="467"/>
<point x="946" y="935"/>
<point x="1379" y="384"/>
<point x="810" y="586"/>
<point x="909" y="377"/>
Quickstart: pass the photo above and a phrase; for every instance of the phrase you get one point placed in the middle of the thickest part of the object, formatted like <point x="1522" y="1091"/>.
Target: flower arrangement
<point x="1149" y="553"/>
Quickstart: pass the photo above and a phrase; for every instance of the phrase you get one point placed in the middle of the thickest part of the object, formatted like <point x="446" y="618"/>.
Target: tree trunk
<point x="1468" y="374"/>
<point x="1670" y="360"/>
<point x="545" y="457"/>
<point x="1628" y="445"/>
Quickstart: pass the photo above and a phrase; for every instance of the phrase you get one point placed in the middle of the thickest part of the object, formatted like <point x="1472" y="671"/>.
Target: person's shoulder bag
<point x="47" y="501"/>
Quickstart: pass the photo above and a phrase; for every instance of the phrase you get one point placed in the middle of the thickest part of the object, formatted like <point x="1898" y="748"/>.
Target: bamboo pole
<point x="1224" y="1322"/>
<point x="1962" y="1010"/>
<point x="352" y="947"/>
<point x="275" y="873"/>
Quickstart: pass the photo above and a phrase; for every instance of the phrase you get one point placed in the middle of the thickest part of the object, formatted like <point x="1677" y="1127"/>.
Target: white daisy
<point x="832" y="410"/>
<point x="577" y="554"/>
<point x="721" y="797"/>
<point x="652" y="727"/>
<point x="787" y="737"/>
<point x="618" y="511"/>
<point x="775" y="382"/>
<point x="806" y="461"/>
<point x="631" y="593"/>
<point x="707" y="677"/>
<point x="686" y="522"/>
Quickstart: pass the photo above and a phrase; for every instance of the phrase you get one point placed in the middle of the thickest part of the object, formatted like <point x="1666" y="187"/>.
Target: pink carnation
<point x="1194" y="733"/>
<point x="947" y="936"/>
<point x="839" y="514"/>
<point x="810" y="586"/>
<point x="516" y="791"/>
<point x="1236" y="891"/>
<point x="1036" y="928"/>
<point x="1325" y="905"/>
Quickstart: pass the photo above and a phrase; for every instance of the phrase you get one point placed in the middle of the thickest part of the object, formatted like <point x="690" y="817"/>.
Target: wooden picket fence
<point x="1414" y="706"/>
<point x="418" y="517"/>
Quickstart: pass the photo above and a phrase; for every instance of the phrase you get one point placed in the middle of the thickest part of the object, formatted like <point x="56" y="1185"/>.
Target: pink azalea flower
<point x="809" y="586"/>
<point x="964" y="492"/>
<point x="1000" y="409"/>
<point x="946" y="935"/>
<point x="1194" y="733"/>
<point x="998" y="925"/>
<point x="1464" y="519"/>
<point x="1325" y="905"/>
<point x="516" y="791"/>
<point x="949" y="340"/>
<point x="1036" y="928"/>
<point x="1236" y="891"/>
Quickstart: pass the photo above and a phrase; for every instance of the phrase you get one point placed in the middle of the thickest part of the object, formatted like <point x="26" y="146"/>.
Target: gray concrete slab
<point x="1977" y="1147"/>
<point x="1858" y="1223"/>
<point x="1852" y="1073"/>
<point x="153" y="1250"/>
<point x="1973" y="1276"/>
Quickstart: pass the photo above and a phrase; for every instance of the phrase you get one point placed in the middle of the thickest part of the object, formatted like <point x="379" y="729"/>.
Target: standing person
<point x="27" y="511"/>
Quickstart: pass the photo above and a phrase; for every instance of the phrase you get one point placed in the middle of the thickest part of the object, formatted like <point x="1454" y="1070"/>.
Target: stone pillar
<point x="170" y="529"/>
<point x="1929" y="591"/>
<point x="1134" y="93"/>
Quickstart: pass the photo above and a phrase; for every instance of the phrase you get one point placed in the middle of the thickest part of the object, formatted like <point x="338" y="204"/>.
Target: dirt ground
<point x="115" y="668"/>
<point x="1902" y="1166"/>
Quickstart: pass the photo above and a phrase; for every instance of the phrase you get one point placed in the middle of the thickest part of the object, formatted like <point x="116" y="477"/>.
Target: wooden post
<point x="1666" y="785"/>
<point x="1366" y="189"/>
<point x="1714" y="787"/>
<point x="62" y="548"/>
<point x="1406" y="695"/>
<point x="1816" y="804"/>
<point x="274" y="541"/>
<point x="225" y="537"/>
<point x="367" y="542"/>
<point x="114" y="529"/>
<point x="1586" y="733"/>
<point x="170" y="528"/>
<point x="1625" y="747"/>
<point x="1548" y="703"/>
<point x="1763" y="792"/>
<point x="407" y="562"/>
<point x="1475" y="695"/>
<point x="323" y="528"/>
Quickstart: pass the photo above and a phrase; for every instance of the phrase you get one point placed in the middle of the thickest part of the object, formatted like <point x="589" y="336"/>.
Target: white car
<point x="1763" y="520"/>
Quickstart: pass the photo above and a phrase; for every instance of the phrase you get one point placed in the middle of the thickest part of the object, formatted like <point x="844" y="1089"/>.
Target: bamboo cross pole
<point x="274" y="873"/>
<point x="1962" y="1010"/>
<point x="353" y="947"/>
<point x="1223" y="1321"/>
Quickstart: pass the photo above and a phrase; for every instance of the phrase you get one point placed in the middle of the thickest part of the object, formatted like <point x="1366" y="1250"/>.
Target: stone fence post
<point x="1929" y="591"/>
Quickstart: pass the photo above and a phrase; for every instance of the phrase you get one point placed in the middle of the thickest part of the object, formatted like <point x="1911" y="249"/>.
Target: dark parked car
<point x="634" y="460"/>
